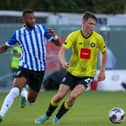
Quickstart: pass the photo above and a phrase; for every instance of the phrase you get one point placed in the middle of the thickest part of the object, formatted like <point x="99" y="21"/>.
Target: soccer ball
<point x="116" y="115"/>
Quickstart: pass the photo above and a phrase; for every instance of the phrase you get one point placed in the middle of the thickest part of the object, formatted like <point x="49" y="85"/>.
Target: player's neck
<point x="28" y="27"/>
<point x="85" y="33"/>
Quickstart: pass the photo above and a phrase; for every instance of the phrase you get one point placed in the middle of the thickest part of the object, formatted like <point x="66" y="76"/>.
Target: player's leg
<point x="24" y="94"/>
<point x="65" y="86"/>
<point x="62" y="91"/>
<point x="80" y="86"/>
<point x="78" y="90"/>
<point x="18" y="83"/>
<point x="30" y="93"/>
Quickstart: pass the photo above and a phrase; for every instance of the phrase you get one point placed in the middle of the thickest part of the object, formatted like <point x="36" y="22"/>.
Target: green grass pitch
<point x="90" y="109"/>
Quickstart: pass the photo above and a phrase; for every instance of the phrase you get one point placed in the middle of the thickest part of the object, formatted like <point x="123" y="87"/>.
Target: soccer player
<point x="32" y="40"/>
<point x="81" y="69"/>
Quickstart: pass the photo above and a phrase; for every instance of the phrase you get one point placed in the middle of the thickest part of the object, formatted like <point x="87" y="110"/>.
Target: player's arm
<point x="102" y="48"/>
<point x="102" y="67"/>
<point x="55" y="38"/>
<point x="3" y="48"/>
<point x="103" y="63"/>
<point x="51" y="35"/>
<point x="61" y="56"/>
<point x="9" y="43"/>
<point x="66" y="45"/>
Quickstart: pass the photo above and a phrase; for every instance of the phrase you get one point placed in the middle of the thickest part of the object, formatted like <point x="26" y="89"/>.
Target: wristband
<point x="55" y="37"/>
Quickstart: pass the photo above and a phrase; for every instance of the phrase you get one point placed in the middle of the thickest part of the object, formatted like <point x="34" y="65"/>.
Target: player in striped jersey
<point x="80" y="71"/>
<point x="32" y="40"/>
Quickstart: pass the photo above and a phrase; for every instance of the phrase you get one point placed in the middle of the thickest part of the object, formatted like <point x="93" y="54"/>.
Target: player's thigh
<point x="66" y="84"/>
<point x="19" y="82"/>
<point x="78" y="90"/>
<point x="63" y="90"/>
<point x="21" y="77"/>
<point x="35" y="81"/>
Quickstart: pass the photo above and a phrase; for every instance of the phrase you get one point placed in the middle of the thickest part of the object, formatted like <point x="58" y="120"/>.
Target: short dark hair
<point x="27" y="11"/>
<point x="88" y="15"/>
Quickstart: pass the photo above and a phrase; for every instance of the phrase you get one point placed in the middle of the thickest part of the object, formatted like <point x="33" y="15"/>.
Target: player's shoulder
<point x="97" y="35"/>
<point x="20" y="29"/>
<point x="76" y="32"/>
<point x="41" y="26"/>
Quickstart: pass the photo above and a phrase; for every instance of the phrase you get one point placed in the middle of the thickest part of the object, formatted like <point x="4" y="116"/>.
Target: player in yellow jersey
<point x="80" y="71"/>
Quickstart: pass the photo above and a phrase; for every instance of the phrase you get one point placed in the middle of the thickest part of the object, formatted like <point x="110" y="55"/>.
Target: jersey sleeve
<point x="47" y="35"/>
<point x="69" y="40"/>
<point x="102" y="45"/>
<point x="12" y="40"/>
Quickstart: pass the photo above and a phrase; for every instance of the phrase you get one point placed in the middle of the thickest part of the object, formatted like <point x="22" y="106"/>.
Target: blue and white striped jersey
<point x="33" y="45"/>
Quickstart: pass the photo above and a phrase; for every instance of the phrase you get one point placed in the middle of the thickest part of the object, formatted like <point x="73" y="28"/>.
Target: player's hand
<point x="101" y="76"/>
<point x="65" y="65"/>
<point x="51" y="31"/>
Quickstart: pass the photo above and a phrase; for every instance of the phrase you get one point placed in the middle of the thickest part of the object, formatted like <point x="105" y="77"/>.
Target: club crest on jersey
<point x="92" y="44"/>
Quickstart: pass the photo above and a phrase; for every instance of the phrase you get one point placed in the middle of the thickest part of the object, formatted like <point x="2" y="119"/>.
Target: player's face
<point x="29" y="20"/>
<point x="88" y="25"/>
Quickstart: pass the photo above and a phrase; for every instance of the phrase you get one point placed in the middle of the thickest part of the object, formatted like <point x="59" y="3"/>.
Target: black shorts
<point x="72" y="81"/>
<point x="34" y="78"/>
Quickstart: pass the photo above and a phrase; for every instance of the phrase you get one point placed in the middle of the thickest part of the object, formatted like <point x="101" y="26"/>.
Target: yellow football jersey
<point x="83" y="61"/>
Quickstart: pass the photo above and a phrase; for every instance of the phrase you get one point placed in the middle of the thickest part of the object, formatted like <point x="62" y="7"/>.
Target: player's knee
<point x="31" y="99"/>
<point x="19" y="83"/>
<point x="70" y="103"/>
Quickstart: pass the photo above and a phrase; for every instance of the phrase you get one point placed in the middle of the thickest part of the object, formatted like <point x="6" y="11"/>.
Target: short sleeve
<point x="69" y="40"/>
<point x="12" y="40"/>
<point x="102" y="45"/>
<point x="47" y="35"/>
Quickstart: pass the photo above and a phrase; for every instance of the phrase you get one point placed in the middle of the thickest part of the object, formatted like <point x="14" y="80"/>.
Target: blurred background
<point x="65" y="16"/>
